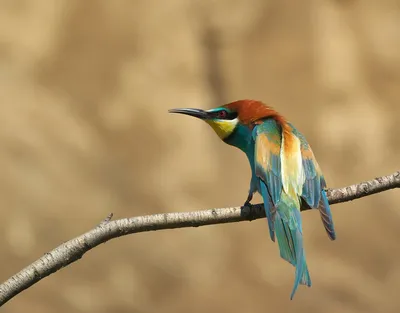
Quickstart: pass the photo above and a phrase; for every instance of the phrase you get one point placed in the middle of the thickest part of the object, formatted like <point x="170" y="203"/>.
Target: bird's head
<point x="226" y="118"/>
<point x="222" y="119"/>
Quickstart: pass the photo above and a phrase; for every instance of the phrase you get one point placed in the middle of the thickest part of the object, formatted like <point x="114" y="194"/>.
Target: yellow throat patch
<point x="223" y="128"/>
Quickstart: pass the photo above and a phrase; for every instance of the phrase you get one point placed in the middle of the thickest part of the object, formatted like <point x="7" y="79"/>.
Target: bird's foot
<point x="248" y="200"/>
<point x="247" y="204"/>
<point x="247" y="208"/>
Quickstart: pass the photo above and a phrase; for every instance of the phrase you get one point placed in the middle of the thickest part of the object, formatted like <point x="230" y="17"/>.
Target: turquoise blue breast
<point x="242" y="138"/>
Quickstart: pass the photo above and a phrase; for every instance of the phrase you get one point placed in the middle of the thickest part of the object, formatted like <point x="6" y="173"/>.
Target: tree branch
<point x="74" y="249"/>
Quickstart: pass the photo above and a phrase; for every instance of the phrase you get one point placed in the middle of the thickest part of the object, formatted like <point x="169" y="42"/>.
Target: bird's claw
<point x="249" y="211"/>
<point x="249" y="198"/>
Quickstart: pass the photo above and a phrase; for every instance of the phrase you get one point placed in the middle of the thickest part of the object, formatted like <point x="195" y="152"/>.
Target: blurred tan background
<point x="84" y="91"/>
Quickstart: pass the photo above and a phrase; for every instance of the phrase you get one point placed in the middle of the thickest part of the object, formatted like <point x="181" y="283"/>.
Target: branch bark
<point x="74" y="249"/>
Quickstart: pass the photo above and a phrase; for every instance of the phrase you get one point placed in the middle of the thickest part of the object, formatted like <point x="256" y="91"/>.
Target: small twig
<point x="106" y="220"/>
<point x="74" y="249"/>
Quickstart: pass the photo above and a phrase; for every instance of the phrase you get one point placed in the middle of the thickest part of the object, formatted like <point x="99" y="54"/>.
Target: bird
<point x="284" y="171"/>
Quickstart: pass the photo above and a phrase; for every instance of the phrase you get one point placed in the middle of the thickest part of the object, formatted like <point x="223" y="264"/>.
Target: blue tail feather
<point x="269" y="210"/>
<point x="326" y="215"/>
<point x="290" y="242"/>
<point x="302" y="275"/>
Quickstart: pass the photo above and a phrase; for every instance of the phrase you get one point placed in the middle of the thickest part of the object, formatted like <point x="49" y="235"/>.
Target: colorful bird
<point x="284" y="171"/>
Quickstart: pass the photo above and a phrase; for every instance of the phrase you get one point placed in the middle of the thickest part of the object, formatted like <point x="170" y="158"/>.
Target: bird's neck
<point x="241" y="138"/>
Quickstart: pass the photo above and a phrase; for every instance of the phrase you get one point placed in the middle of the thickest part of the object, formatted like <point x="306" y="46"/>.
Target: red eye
<point x="222" y="114"/>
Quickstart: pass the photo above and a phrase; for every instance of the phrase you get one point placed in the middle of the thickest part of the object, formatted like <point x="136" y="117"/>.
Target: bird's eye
<point x="222" y="114"/>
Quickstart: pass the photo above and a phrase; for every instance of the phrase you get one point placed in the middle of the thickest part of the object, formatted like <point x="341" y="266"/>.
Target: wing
<point x="293" y="180"/>
<point x="267" y="136"/>
<point x="279" y="167"/>
<point x="313" y="192"/>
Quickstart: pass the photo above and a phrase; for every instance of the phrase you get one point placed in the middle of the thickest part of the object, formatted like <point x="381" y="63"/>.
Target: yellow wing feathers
<point x="293" y="176"/>
<point x="266" y="147"/>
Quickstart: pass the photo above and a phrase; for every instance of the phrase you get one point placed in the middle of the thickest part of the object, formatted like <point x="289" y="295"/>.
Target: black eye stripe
<point x="222" y="114"/>
<point x="232" y="115"/>
<point x="226" y="116"/>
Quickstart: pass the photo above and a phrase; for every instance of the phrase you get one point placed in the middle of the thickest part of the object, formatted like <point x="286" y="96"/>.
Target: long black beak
<point x="192" y="112"/>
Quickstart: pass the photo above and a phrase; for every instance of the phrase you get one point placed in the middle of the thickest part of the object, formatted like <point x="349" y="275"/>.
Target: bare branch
<point x="74" y="249"/>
